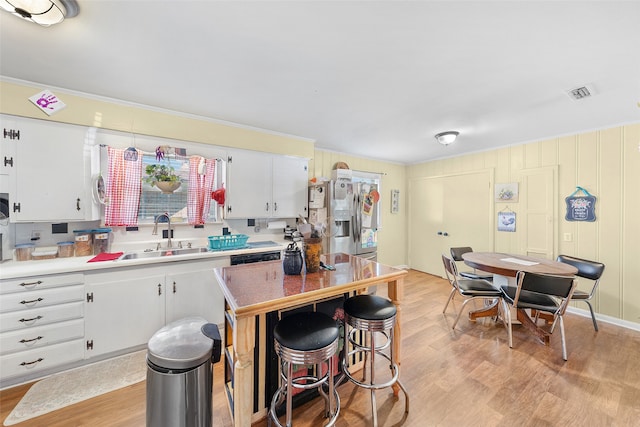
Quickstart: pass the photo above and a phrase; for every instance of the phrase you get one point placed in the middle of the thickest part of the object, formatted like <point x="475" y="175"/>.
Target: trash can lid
<point x="180" y="345"/>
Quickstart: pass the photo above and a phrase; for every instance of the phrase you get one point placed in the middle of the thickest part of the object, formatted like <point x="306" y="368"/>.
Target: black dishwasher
<point x="254" y="257"/>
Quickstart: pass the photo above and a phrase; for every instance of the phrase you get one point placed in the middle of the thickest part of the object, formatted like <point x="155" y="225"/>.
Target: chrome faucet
<point x="155" y="228"/>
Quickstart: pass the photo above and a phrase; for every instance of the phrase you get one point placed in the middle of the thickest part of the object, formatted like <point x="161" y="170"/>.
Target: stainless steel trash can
<point x="179" y="373"/>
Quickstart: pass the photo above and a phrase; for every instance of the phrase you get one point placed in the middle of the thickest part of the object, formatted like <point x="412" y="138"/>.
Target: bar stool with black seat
<point x="373" y="316"/>
<point x="306" y="338"/>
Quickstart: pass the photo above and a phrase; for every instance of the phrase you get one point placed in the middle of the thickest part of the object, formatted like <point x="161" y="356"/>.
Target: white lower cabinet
<point x="51" y="322"/>
<point x="192" y="290"/>
<point x="125" y="307"/>
<point x="30" y="362"/>
<point x="41" y="325"/>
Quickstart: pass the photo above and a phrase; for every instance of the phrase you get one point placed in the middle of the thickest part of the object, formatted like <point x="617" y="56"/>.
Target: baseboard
<point x="605" y="319"/>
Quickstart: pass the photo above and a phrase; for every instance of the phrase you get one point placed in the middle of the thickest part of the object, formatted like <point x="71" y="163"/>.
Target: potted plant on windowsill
<point x="163" y="177"/>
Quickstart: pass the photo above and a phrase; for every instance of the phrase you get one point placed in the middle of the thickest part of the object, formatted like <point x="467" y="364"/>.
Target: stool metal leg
<point x="372" y="378"/>
<point x="288" y="383"/>
<point x="289" y="391"/>
<point x="333" y="398"/>
<point x="370" y="349"/>
<point x="404" y="390"/>
<point x="324" y="394"/>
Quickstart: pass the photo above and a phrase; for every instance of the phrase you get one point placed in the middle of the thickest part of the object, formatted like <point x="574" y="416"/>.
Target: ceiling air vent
<point x="579" y="93"/>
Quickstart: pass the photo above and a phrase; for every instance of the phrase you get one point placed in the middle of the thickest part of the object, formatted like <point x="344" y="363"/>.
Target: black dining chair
<point x="456" y="255"/>
<point x="541" y="293"/>
<point x="469" y="289"/>
<point x="591" y="270"/>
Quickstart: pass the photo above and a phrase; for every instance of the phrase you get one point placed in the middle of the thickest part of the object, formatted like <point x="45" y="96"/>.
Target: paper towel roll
<point x="277" y="224"/>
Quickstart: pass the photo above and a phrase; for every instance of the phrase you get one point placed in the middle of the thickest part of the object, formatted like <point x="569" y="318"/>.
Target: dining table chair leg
<point x="506" y="316"/>
<point x="564" y="342"/>
<point x="593" y="316"/>
<point x="451" y="294"/>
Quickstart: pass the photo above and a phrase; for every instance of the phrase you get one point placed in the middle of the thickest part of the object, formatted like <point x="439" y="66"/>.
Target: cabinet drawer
<point x="40" y="298"/>
<point x="38" y="359"/>
<point x="40" y="282"/>
<point x="40" y="316"/>
<point x="40" y="336"/>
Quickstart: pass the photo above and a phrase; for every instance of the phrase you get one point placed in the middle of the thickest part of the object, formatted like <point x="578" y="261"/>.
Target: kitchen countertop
<point x="12" y="269"/>
<point x="251" y="290"/>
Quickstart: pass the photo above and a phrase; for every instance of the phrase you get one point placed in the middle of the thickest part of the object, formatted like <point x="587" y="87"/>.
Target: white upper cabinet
<point x="7" y="150"/>
<point x="263" y="185"/>
<point x="50" y="176"/>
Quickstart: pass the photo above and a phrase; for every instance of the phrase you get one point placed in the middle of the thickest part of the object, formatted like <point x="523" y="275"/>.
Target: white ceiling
<point x="373" y="79"/>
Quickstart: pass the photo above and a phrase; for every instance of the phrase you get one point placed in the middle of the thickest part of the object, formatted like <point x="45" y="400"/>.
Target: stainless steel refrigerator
<point x="347" y="212"/>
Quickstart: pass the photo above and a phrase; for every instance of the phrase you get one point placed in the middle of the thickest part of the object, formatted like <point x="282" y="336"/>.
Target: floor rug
<point x="67" y="388"/>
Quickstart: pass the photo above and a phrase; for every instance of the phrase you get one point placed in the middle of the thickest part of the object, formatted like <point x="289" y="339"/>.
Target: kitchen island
<point x="251" y="291"/>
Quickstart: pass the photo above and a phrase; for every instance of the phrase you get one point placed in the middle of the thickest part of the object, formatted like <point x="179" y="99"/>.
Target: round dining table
<point x="504" y="268"/>
<point x="508" y="265"/>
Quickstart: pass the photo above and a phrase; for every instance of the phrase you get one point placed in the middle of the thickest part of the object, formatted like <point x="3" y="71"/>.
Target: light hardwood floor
<point x="466" y="377"/>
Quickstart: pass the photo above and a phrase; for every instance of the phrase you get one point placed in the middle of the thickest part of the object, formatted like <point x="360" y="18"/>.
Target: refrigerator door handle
<point x="358" y="219"/>
<point x="355" y="218"/>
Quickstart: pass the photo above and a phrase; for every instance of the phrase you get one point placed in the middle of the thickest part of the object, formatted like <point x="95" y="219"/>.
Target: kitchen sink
<point x="162" y="253"/>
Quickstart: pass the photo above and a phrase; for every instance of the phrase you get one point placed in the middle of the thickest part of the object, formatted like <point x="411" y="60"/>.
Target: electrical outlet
<point x="36" y="234"/>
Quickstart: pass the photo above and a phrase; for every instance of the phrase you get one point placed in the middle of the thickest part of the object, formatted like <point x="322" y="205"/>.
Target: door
<point x="248" y="185"/>
<point x="51" y="173"/>
<point x="290" y="180"/>
<point x="124" y="309"/>
<point x="365" y="217"/>
<point x="192" y="290"/>
<point x="538" y="221"/>
<point x="425" y="222"/>
<point x="447" y="211"/>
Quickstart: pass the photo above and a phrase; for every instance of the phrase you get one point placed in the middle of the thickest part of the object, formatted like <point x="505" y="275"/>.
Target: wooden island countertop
<point x="252" y="290"/>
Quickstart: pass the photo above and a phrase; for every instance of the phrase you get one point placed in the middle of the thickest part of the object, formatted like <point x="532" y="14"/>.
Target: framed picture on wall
<point x="507" y="221"/>
<point x="506" y="192"/>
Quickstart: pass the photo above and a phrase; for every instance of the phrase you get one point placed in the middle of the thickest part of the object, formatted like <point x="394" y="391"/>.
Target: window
<point x="153" y="200"/>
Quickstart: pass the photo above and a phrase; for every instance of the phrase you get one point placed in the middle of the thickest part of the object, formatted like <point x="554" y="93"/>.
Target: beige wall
<point x="14" y="99"/>
<point x="607" y="164"/>
<point x="87" y="111"/>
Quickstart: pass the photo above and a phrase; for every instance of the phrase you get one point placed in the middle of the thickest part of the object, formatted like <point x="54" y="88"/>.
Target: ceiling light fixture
<point x="446" y="138"/>
<point x="41" y="12"/>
